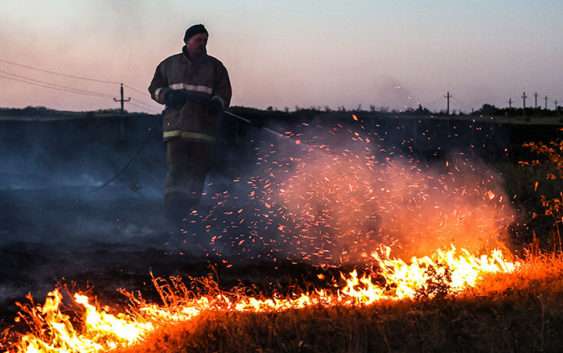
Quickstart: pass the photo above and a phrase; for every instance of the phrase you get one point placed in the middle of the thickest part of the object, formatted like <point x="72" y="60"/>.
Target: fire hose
<point x="137" y="153"/>
<point x="259" y="126"/>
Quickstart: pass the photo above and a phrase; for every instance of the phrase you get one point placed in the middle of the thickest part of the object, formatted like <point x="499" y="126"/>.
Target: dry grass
<point x="510" y="313"/>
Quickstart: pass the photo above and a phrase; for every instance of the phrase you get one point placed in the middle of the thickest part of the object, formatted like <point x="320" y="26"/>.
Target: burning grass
<point x="527" y="317"/>
<point x="352" y="313"/>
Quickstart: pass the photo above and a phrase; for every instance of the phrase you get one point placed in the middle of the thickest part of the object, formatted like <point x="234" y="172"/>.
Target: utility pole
<point x="545" y="106"/>
<point x="556" y="104"/>
<point x="448" y="96"/>
<point x="510" y="103"/>
<point x="122" y="100"/>
<point x="536" y="100"/>
<point x="524" y="96"/>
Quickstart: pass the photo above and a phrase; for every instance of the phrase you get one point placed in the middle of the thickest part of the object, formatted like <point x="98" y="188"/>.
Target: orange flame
<point x="395" y="279"/>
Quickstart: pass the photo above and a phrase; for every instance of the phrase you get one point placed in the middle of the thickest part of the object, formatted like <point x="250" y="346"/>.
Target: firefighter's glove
<point x="175" y="99"/>
<point x="216" y="105"/>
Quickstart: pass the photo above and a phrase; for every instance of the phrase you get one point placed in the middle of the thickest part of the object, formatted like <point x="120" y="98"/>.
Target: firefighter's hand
<point x="216" y="105"/>
<point x="175" y="99"/>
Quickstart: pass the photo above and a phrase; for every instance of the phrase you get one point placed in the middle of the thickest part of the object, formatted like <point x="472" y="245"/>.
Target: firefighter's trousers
<point x="188" y="162"/>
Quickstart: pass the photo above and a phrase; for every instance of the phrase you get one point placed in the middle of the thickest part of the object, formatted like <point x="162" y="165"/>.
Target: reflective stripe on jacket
<point x="205" y="77"/>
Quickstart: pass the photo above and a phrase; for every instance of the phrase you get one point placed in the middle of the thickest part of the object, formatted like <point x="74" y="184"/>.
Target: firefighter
<point x="195" y="89"/>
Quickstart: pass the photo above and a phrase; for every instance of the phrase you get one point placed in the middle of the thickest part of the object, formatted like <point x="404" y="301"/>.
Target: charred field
<point x="272" y="248"/>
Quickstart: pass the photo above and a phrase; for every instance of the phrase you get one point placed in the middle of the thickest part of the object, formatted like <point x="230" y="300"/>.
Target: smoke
<point x="337" y="202"/>
<point x="325" y="194"/>
<point x="51" y="185"/>
<point x="423" y="209"/>
<point x="395" y="95"/>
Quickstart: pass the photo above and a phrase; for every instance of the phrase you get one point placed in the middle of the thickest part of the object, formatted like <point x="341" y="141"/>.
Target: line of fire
<point x="317" y="231"/>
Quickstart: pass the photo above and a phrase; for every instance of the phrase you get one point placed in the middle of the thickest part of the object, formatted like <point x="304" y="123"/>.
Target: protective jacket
<point x="207" y="78"/>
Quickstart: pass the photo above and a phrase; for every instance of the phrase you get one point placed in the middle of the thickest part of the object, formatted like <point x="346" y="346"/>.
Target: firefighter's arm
<point x="222" y="87"/>
<point x="159" y="85"/>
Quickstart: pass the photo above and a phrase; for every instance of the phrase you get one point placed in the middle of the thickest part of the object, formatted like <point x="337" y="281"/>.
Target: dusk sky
<point x="395" y="53"/>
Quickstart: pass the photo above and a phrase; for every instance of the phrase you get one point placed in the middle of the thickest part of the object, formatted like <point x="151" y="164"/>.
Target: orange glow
<point x="102" y="331"/>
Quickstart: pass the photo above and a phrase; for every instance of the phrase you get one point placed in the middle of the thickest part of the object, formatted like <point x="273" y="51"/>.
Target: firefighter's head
<point x="196" y="39"/>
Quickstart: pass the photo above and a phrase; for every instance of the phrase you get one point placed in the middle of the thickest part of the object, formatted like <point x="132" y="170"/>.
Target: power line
<point x="136" y="89"/>
<point x="122" y="100"/>
<point x="63" y="88"/>
<point x="76" y="77"/>
<point x="144" y="104"/>
<point x="139" y="104"/>
<point x="80" y="90"/>
<point x="152" y="110"/>
<point x="53" y="87"/>
<point x="144" y="100"/>
<point x="144" y="95"/>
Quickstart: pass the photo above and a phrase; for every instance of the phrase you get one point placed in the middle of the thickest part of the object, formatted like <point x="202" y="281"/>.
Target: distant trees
<point x="486" y="109"/>
<point x="489" y="109"/>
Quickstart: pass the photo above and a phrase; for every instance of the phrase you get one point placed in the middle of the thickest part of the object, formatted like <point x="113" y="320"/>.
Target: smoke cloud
<point x="337" y="202"/>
